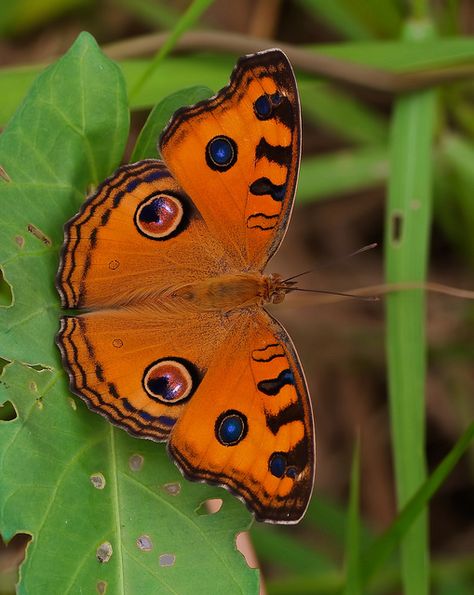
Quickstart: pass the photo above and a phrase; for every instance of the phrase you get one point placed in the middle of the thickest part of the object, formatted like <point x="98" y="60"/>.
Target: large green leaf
<point x="105" y="510"/>
<point x="69" y="133"/>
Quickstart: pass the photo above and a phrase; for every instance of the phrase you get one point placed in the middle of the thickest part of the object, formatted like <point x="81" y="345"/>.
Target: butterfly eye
<point x="168" y="380"/>
<point x="277" y="464"/>
<point x="159" y="216"/>
<point x="221" y="153"/>
<point x="231" y="427"/>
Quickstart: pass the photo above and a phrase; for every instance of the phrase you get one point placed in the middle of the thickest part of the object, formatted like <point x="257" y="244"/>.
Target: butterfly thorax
<point x="231" y="291"/>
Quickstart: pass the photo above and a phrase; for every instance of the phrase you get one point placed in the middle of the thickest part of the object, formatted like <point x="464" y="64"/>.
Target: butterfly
<point x="166" y="259"/>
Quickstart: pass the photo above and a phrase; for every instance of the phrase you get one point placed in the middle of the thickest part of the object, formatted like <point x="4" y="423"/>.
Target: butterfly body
<point x="164" y="264"/>
<point x="231" y="291"/>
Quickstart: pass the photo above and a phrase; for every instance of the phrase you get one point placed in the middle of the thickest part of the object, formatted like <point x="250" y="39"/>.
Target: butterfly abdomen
<point x="228" y="292"/>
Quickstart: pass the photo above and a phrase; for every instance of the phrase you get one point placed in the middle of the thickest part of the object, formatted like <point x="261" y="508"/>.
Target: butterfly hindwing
<point x="249" y="426"/>
<point x="139" y="367"/>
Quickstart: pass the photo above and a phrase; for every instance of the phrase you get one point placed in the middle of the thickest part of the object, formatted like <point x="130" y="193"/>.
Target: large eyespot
<point x="170" y="380"/>
<point x="159" y="216"/>
<point x="277" y="464"/>
<point x="231" y="427"/>
<point x="221" y="153"/>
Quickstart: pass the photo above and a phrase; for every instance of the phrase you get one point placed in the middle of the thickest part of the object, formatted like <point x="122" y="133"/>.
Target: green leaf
<point x="75" y="482"/>
<point x="52" y="150"/>
<point x="147" y="143"/>
<point x="406" y="55"/>
<point x="85" y="490"/>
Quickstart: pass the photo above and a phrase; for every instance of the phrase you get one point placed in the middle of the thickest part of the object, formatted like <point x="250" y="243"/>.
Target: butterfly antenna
<point x="363" y="298"/>
<point x="335" y="261"/>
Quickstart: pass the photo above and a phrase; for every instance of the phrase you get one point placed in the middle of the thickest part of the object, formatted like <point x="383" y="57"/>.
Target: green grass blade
<point x="152" y="12"/>
<point x="374" y="558"/>
<point x="326" y="106"/>
<point x="336" y="15"/>
<point x="353" y="586"/>
<point x="406" y="254"/>
<point x="189" y="18"/>
<point x="340" y="172"/>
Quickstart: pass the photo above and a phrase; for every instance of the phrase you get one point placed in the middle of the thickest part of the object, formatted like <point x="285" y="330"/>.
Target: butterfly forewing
<point x="239" y="154"/>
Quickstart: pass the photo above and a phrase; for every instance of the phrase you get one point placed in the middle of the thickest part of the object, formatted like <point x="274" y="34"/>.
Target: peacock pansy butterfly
<point x="167" y="259"/>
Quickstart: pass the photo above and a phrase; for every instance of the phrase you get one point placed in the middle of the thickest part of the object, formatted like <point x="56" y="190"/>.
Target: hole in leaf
<point x="144" y="543"/>
<point x="8" y="411"/>
<point x="167" y="559"/>
<point x="6" y="293"/>
<point x="39" y="367"/>
<point x="3" y="364"/>
<point x="104" y="552"/>
<point x="210" y="506"/>
<point x="397" y="227"/>
<point x="98" y="481"/>
<point x="173" y="489"/>
<point x="12" y="555"/>
<point x="101" y="587"/>
<point x="37" y="233"/>
<point x="245" y="547"/>
<point x="135" y="462"/>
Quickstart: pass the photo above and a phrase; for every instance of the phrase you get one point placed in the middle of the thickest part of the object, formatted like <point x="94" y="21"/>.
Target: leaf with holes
<point x="106" y="512"/>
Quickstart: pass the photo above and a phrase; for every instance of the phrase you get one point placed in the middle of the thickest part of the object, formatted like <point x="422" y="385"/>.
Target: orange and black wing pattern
<point x="133" y="238"/>
<point x="249" y="427"/>
<point x="238" y="155"/>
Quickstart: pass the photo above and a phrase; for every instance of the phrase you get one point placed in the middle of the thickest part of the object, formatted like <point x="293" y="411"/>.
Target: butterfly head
<point x="276" y="288"/>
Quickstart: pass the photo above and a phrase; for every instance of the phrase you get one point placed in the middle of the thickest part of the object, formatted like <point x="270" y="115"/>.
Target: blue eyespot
<point x="263" y="107"/>
<point x="277" y="464"/>
<point x="265" y="104"/>
<point x="231" y="427"/>
<point x="221" y="153"/>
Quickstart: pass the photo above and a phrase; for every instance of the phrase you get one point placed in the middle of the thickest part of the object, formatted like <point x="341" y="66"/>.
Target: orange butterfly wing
<point x="138" y="367"/>
<point x="237" y="155"/>
<point x="114" y="254"/>
<point x="161" y="367"/>
<point x="249" y="427"/>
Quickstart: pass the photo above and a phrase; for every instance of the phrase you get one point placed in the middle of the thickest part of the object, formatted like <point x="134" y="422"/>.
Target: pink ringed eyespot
<point x="168" y="381"/>
<point x="159" y="216"/>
